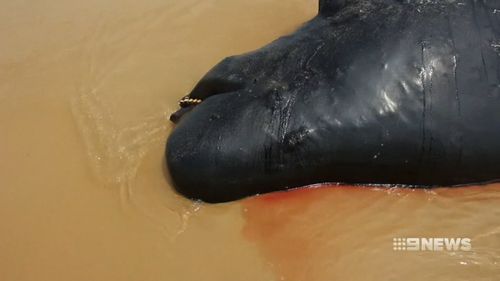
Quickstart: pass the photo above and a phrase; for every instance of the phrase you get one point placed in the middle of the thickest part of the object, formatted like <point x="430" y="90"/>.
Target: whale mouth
<point x="206" y="88"/>
<point x="186" y="104"/>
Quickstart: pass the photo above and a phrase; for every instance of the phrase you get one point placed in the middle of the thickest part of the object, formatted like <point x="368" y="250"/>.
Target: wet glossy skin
<point x="369" y="92"/>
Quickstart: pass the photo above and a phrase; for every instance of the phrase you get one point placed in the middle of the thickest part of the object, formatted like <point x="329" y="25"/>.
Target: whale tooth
<point x="188" y="101"/>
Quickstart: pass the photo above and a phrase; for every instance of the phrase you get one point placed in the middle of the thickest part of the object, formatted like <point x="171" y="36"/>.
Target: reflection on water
<point x="85" y="92"/>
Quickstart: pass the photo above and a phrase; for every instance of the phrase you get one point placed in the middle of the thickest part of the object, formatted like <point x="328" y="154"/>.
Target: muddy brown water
<point x="85" y="91"/>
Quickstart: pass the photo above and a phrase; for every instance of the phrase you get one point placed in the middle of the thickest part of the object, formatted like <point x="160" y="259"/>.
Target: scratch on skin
<point x="314" y="55"/>
<point x="430" y="102"/>
<point x="427" y="76"/>
<point x="280" y="119"/>
<point x="457" y="91"/>
<point x="478" y="27"/>
<point x="455" y="66"/>
<point x="424" y="101"/>
<point x="285" y="119"/>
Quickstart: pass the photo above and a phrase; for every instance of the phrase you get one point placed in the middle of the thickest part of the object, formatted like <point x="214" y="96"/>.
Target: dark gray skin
<point x="390" y="92"/>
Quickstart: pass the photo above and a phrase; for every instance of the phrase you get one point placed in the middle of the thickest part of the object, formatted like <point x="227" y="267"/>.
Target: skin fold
<point x="390" y="92"/>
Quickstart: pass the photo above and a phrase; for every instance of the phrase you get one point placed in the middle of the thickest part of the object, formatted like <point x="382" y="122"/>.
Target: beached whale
<point x="391" y="92"/>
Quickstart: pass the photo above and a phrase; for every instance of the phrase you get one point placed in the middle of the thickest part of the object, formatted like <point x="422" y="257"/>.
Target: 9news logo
<point x="431" y="244"/>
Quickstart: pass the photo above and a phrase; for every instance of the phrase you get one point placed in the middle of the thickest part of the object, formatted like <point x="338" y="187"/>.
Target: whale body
<point x="389" y="92"/>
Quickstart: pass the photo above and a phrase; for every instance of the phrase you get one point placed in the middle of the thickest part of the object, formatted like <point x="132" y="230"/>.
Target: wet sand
<point x="85" y="93"/>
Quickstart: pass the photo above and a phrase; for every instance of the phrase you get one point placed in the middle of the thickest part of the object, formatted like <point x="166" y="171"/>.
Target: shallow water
<point x="85" y="92"/>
